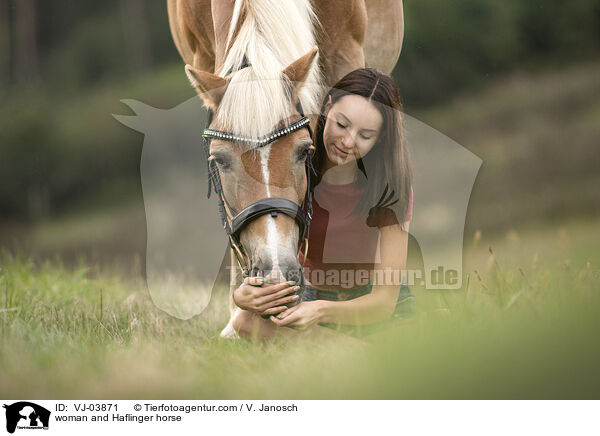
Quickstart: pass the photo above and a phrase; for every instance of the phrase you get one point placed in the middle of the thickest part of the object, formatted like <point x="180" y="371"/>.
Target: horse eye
<point x="221" y="162"/>
<point x="303" y="153"/>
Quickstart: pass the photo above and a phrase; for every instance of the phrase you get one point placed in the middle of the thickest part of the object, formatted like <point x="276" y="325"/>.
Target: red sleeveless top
<point x="341" y="240"/>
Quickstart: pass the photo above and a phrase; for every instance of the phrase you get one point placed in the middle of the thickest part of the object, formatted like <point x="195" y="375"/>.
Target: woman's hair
<point x="387" y="166"/>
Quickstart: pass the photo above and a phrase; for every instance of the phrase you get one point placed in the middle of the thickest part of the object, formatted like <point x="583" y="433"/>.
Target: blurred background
<point x="517" y="83"/>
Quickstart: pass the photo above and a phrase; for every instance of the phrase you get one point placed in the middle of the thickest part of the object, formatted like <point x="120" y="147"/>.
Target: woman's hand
<point x="269" y="300"/>
<point x="302" y="316"/>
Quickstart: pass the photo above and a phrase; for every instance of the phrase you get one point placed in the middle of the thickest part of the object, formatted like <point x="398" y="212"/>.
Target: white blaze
<point x="272" y="235"/>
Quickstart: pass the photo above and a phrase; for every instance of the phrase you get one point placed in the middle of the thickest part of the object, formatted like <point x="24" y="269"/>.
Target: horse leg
<point x="343" y="24"/>
<point x="235" y="280"/>
<point x="385" y="32"/>
<point x="192" y="30"/>
<point x="345" y="61"/>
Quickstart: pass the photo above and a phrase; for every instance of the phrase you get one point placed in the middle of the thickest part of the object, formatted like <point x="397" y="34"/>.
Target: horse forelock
<point x="254" y="106"/>
<point x="271" y="35"/>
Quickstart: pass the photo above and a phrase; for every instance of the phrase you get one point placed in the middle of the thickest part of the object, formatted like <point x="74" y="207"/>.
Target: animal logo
<point x="27" y="415"/>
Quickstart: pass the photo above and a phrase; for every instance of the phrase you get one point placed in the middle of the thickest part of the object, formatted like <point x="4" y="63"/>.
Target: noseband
<point x="270" y="205"/>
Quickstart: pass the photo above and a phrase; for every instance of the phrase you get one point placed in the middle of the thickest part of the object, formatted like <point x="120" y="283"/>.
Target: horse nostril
<point x="261" y="267"/>
<point x="294" y="275"/>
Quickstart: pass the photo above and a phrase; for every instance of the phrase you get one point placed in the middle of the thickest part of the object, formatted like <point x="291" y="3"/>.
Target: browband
<point x="257" y="142"/>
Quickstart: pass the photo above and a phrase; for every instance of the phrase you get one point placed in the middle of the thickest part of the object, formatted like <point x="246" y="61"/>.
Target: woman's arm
<point x="381" y="302"/>
<point x="376" y="306"/>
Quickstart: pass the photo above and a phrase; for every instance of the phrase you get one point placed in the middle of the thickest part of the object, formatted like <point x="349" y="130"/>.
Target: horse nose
<point x="287" y="269"/>
<point x="261" y="267"/>
<point x="292" y="272"/>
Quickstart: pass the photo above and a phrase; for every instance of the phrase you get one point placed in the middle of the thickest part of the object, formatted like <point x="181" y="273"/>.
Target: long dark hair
<point x="387" y="166"/>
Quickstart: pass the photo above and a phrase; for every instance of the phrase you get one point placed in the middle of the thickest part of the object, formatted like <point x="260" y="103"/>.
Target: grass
<point x="525" y="326"/>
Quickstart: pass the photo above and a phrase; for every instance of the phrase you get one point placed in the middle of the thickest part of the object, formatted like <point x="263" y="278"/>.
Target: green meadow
<point x="525" y="325"/>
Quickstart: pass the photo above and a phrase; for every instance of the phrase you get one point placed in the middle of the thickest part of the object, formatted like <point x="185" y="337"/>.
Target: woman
<point x="363" y="170"/>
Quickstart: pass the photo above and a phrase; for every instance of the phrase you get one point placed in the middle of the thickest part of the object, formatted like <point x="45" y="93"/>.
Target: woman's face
<point x="351" y="129"/>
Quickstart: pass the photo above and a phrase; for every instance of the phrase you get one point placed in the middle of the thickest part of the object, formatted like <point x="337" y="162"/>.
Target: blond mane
<point x="271" y="35"/>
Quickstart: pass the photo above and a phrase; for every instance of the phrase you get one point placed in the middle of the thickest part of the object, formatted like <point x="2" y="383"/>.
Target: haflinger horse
<point x="259" y="66"/>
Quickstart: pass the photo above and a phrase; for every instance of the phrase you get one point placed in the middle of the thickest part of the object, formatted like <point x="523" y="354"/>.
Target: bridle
<point x="270" y="205"/>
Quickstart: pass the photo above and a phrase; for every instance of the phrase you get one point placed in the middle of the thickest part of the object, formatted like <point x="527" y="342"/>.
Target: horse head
<point x="246" y="105"/>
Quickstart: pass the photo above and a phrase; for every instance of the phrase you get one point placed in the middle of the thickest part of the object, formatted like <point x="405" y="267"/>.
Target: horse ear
<point x="209" y="86"/>
<point x="298" y="70"/>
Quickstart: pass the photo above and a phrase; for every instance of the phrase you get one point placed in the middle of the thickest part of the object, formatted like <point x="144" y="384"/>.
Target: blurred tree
<point x="558" y="29"/>
<point x="451" y="46"/>
<point x="28" y="158"/>
<point x="4" y="43"/>
<point x="26" y="54"/>
<point x="133" y="17"/>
